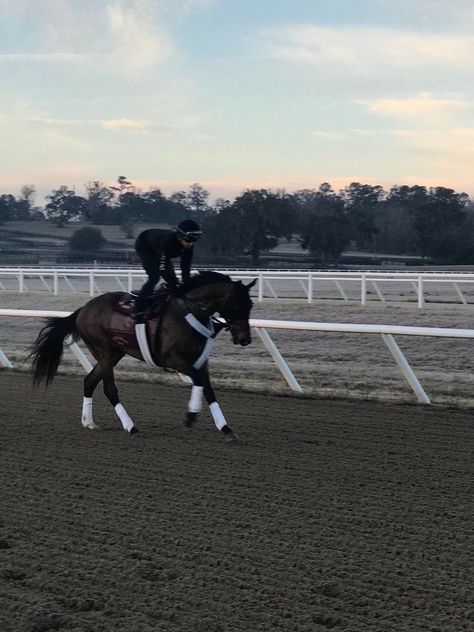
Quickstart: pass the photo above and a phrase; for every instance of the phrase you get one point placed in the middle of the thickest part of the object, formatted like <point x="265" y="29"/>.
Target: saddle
<point x="156" y="304"/>
<point x="122" y="325"/>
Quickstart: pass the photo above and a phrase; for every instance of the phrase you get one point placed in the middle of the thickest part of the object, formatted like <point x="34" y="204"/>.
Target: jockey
<point x="157" y="247"/>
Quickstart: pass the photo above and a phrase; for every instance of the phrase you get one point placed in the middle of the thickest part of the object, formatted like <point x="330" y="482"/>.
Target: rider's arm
<point x="186" y="260"/>
<point x="166" y="269"/>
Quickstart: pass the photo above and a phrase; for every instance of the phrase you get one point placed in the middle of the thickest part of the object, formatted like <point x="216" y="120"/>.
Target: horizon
<point x="167" y="191"/>
<point x="236" y="95"/>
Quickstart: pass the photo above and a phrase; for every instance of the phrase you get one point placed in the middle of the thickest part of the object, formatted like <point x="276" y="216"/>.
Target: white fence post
<point x="363" y="290"/>
<point x="4" y="361"/>
<point x="421" y="294"/>
<point x="80" y="355"/>
<point x="279" y="360"/>
<point x="462" y="298"/>
<point x="310" y="288"/>
<point x="341" y="290"/>
<point x="406" y="369"/>
<point x="260" y="288"/>
<point x="378" y="291"/>
<point x="91" y="283"/>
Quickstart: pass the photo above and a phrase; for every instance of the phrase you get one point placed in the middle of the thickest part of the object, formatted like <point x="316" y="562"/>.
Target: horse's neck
<point x="208" y="299"/>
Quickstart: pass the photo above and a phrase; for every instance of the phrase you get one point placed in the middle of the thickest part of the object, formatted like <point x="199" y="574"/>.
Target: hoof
<point x="90" y="426"/>
<point x="190" y="419"/>
<point x="229" y="435"/>
<point x="135" y="433"/>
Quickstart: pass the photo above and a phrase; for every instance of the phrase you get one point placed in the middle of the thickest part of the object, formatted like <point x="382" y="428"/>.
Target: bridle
<point x="222" y="322"/>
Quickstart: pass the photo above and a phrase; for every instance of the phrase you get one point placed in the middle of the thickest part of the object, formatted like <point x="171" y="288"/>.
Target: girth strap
<point x="207" y="332"/>
<point x="142" y="339"/>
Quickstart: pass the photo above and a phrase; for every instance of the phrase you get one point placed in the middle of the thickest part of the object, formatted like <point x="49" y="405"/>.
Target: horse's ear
<point x="251" y="284"/>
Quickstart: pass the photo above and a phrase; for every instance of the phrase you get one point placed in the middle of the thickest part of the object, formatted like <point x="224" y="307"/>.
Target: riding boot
<point x="139" y="309"/>
<point x="141" y="302"/>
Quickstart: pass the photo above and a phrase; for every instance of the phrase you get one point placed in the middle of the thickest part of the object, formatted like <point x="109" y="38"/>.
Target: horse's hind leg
<point x="104" y="370"/>
<point x="90" y="382"/>
<point x="111" y="392"/>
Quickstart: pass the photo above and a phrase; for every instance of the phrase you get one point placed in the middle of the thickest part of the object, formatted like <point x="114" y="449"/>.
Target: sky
<point x="236" y="94"/>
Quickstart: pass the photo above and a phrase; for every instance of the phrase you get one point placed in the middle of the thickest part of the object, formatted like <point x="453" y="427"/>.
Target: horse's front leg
<point x="202" y="386"/>
<point x="194" y="405"/>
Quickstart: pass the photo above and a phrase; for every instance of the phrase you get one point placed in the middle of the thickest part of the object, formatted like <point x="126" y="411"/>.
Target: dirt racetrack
<point x="326" y="515"/>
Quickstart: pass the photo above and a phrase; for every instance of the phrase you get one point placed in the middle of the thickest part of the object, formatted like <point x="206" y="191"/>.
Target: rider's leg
<point x="150" y="266"/>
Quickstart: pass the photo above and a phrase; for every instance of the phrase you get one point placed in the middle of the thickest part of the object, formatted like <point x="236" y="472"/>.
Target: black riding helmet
<point x="189" y="229"/>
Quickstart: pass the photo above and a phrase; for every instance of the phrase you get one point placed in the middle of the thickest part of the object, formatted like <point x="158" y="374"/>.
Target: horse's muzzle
<point x="243" y="342"/>
<point x="241" y="336"/>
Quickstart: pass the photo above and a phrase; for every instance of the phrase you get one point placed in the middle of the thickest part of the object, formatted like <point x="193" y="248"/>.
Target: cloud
<point x="48" y="177"/>
<point x="430" y="13"/>
<point x="113" y="35"/>
<point x="364" y="49"/>
<point x="329" y="135"/>
<point x="44" y="57"/>
<point x="135" y="38"/>
<point x="30" y="118"/>
<point x="39" y="123"/>
<point x="126" y="125"/>
<point x="37" y="131"/>
<point x="454" y="143"/>
<point x="423" y="107"/>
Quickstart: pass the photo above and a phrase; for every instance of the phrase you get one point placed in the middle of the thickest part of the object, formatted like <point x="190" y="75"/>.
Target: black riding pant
<point x="153" y="267"/>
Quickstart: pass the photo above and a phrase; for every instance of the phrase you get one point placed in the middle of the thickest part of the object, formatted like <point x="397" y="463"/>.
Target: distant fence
<point x="261" y="327"/>
<point x="309" y="285"/>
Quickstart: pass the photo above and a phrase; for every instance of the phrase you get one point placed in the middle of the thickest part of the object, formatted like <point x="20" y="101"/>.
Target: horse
<point x="181" y="341"/>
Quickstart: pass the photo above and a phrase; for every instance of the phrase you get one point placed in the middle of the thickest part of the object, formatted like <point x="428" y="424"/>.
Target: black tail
<point x="47" y="350"/>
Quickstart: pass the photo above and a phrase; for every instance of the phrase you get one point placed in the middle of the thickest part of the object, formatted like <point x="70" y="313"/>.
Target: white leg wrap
<point x="195" y="401"/>
<point x="127" y="423"/>
<point x="217" y="415"/>
<point x="87" y="419"/>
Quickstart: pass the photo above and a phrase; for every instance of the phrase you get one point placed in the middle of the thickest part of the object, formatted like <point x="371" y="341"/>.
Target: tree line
<point x="434" y="222"/>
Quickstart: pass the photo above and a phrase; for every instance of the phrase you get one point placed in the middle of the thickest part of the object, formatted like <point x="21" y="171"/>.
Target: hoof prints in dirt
<point x="350" y="517"/>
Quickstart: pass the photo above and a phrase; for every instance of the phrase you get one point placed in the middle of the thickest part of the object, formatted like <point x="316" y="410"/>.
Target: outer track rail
<point x="310" y="285"/>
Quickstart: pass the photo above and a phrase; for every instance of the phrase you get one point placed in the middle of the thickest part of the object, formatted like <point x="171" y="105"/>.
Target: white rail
<point x="309" y="285"/>
<point x="260" y="326"/>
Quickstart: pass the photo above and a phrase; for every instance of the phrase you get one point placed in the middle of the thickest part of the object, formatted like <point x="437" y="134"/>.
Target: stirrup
<point x="137" y="315"/>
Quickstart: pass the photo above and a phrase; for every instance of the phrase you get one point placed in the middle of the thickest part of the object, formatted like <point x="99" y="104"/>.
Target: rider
<point x="157" y="247"/>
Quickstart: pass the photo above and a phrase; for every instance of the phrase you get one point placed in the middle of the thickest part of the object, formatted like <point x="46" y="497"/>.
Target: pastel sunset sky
<point x="236" y="93"/>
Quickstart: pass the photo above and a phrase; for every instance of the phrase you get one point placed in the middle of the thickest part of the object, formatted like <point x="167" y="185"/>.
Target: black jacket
<point x="156" y="247"/>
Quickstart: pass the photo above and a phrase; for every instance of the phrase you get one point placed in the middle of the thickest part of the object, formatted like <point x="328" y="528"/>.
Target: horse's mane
<point x="204" y="277"/>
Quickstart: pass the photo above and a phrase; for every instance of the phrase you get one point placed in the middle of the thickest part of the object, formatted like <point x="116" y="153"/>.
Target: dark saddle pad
<point x="122" y="325"/>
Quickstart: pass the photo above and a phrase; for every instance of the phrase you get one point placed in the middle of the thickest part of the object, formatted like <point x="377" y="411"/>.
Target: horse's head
<point x="217" y="293"/>
<point x="236" y="311"/>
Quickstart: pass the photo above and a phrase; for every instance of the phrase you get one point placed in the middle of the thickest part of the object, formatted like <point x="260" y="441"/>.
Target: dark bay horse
<point x="182" y="342"/>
